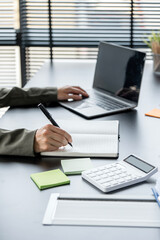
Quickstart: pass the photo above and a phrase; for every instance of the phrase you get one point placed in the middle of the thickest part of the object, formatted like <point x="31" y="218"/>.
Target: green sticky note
<point x="50" y="179"/>
<point x="76" y="166"/>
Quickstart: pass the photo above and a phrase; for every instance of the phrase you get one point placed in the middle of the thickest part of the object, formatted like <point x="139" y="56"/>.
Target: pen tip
<point x="70" y="144"/>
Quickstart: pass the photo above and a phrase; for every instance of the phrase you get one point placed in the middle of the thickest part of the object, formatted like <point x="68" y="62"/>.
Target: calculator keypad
<point x="110" y="175"/>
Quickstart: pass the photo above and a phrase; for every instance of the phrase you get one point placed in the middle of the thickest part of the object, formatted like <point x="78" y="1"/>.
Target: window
<point x="9" y="52"/>
<point x="70" y="29"/>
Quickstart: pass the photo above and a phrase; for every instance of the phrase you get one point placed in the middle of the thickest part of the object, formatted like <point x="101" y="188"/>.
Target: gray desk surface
<point x="23" y="205"/>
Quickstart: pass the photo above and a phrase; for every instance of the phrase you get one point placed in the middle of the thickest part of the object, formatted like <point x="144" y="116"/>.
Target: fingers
<point x="76" y="90"/>
<point x="71" y="92"/>
<point x="50" y="138"/>
<point x="75" y="97"/>
<point x="60" y="133"/>
<point x="81" y="89"/>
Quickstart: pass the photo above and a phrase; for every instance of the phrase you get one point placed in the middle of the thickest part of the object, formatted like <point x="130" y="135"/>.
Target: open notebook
<point x="90" y="139"/>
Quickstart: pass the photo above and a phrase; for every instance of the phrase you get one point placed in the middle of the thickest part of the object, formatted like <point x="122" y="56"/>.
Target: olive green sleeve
<point x="18" y="142"/>
<point x="21" y="141"/>
<point x="20" y="97"/>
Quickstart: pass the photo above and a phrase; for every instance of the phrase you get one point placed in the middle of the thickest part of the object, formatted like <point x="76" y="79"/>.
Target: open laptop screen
<point x="119" y="70"/>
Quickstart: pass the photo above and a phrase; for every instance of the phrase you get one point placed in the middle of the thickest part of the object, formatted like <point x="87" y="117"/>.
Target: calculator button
<point x="109" y="166"/>
<point x="113" y="169"/>
<point x="103" y="172"/>
<point x="105" y="175"/>
<point x="121" y="180"/>
<point x="118" y="167"/>
<point x="123" y="170"/>
<point x="113" y="182"/>
<point x="106" y="184"/>
<point x="129" y="175"/>
<point x="118" y="172"/>
<point x="128" y="178"/>
<point x="99" y="173"/>
<point x="105" y="166"/>
<point x="116" y="177"/>
<point x="97" y="178"/>
<point x="108" y="179"/>
<point x="110" y="174"/>
<point x="102" y="168"/>
<point x="102" y="180"/>
<point x="106" y="171"/>
<point x="139" y="176"/>
<point x="133" y="177"/>
<point x="123" y="175"/>
<point x="92" y="175"/>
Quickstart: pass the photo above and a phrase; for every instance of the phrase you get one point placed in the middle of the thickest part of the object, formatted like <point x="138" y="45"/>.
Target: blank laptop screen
<point x="119" y="71"/>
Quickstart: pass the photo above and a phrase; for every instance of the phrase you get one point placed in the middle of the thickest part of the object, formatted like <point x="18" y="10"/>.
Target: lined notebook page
<point x="93" y="144"/>
<point x="91" y="127"/>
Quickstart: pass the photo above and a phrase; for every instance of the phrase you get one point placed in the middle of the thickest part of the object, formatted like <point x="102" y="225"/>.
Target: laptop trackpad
<point x="77" y="104"/>
<point x="91" y="111"/>
<point x="85" y="108"/>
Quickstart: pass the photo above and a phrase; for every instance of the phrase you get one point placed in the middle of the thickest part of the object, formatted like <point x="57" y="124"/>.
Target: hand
<point x="71" y="92"/>
<point x="50" y="138"/>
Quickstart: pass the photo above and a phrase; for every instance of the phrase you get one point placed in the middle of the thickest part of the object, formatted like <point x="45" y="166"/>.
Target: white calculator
<point x="124" y="173"/>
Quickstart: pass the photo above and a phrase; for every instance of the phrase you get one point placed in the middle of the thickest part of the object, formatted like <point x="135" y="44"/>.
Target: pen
<point x="48" y="115"/>
<point x="156" y="195"/>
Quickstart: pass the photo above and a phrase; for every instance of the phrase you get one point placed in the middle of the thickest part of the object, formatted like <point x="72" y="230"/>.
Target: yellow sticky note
<point x="154" y="113"/>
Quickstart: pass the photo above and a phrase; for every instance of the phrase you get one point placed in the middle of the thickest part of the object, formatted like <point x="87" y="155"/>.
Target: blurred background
<point x="32" y="31"/>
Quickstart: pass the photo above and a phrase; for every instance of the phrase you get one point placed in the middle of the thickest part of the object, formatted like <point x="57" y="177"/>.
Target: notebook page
<point x="90" y="127"/>
<point x="89" y="144"/>
<point x="94" y="143"/>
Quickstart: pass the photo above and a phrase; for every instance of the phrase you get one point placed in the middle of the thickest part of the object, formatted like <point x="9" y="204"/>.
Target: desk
<point x="23" y="205"/>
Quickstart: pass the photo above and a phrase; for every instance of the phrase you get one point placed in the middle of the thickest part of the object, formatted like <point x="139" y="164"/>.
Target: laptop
<point x="116" y="85"/>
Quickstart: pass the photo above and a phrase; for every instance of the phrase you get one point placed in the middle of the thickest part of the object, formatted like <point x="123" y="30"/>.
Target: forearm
<point x="17" y="142"/>
<point x="21" y="97"/>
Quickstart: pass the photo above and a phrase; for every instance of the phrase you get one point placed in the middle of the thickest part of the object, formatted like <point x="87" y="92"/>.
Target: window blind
<point x="76" y="23"/>
<point x="9" y="66"/>
<point x="34" y="22"/>
<point x="73" y="28"/>
<point x="36" y="56"/>
<point x="77" y="27"/>
<point x="9" y="57"/>
<point x="146" y="19"/>
<point x="87" y="22"/>
<point x="7" y="22"/>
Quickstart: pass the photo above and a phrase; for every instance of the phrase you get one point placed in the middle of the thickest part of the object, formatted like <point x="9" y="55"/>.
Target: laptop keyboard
<point x="105" y="102"/>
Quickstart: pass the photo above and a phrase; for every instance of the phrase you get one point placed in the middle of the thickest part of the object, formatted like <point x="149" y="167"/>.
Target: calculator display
<point x="138" y="163"/>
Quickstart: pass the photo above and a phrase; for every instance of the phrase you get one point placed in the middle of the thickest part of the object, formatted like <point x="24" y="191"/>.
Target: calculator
<point x="126" y="172"/>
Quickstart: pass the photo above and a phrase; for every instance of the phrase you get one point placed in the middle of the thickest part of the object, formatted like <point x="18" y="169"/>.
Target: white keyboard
<point x="117" y="175"/>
